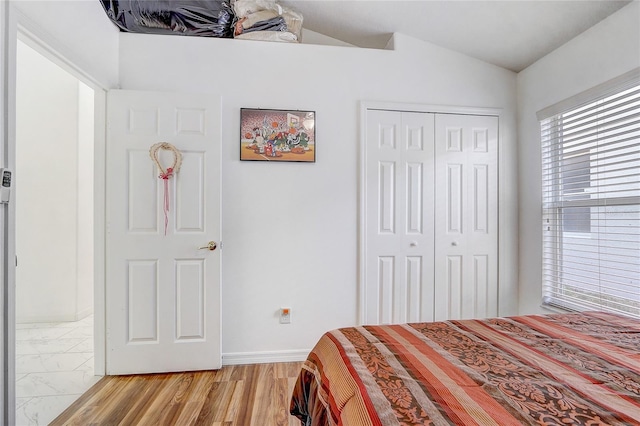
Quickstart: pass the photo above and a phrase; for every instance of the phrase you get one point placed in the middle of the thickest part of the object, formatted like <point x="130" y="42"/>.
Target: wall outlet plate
<point x="285" y="315"/>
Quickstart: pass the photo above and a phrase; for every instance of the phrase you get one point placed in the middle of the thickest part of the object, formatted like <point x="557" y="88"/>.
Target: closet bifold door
<point x="466" y="216"/>
<point x="399" y="199"/>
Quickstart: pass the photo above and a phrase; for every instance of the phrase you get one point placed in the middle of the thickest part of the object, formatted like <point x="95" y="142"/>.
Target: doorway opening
<point x="54" y="237"/>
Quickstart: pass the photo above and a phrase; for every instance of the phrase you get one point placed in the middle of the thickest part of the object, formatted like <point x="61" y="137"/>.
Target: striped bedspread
<point x="568" y="369"/>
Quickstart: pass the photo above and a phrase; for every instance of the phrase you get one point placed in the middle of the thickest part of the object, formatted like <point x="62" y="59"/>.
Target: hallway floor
<point x="54" y="366"/>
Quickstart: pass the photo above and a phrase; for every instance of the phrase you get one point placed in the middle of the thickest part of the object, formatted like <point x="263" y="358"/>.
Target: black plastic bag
<point x="274" y="24"/>
<point x="212" y="18"/>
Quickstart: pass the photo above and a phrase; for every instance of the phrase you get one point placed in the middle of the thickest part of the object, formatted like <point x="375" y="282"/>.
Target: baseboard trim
<point x="238" y="358"/>
<point x="55" y="318"/>
<point x="84" y="313"/>
<point x="45" y="319"/>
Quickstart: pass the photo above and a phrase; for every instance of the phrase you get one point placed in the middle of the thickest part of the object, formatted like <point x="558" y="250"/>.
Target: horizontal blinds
<point x="591" y="205"/>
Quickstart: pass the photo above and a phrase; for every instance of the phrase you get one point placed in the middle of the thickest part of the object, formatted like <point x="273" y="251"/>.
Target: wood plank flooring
<point x="251" y="395"/>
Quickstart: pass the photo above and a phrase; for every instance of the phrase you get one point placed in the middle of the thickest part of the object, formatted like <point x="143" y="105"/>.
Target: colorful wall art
<point x="277" y="135"/>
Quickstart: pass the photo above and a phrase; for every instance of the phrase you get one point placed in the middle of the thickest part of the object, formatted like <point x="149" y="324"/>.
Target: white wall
<point x="78" y="30"/>
<point x="85" y="224"/>
<point x="46" y="164"/>
<point x="290" y="230"/>
<point x="312" y="37"/>
<point x="54" y="236"/>
<point x="605" y="51"/>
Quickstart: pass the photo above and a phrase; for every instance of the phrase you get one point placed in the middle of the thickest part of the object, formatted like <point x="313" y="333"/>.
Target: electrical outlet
<point x="285" y="315"/>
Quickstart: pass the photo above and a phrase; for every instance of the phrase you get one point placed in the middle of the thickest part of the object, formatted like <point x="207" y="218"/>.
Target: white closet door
<point x="398" y="282"/>
<point x="466" y="217"/>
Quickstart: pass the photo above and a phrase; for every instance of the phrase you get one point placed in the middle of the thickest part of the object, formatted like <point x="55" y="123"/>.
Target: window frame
<point x="554" y="198"/>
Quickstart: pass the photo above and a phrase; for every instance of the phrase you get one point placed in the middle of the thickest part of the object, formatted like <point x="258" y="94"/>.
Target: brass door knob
<point x="210" y="246"/>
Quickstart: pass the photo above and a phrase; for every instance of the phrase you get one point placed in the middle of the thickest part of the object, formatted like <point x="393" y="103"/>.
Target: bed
<point x="577" y="368"/>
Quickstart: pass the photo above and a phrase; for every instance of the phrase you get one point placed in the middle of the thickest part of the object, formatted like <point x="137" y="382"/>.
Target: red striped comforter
<point x="578" y="369"/>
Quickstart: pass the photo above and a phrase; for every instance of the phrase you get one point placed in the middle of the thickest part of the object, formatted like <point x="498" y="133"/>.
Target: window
<point x="576" y="179"/>
<point x="591" y="200"/>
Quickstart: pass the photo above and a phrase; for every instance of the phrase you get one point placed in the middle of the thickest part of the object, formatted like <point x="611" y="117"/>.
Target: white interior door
<point x="162" y="291"/>
<point x="466" y="216"/>
<point x="398" y="246"/>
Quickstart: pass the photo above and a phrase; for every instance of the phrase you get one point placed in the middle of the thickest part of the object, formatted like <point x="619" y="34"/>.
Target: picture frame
<point x="277" y="135"/>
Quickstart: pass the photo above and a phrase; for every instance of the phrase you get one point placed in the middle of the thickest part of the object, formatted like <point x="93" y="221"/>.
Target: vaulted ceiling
<point x="511" y="34"/>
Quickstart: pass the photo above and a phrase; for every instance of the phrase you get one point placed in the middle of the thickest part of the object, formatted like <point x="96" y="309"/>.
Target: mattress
<point x="578" y="368"/>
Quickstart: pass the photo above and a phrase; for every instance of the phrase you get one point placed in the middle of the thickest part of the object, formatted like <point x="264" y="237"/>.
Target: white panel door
<point x="163" y="292"/>
<point x="466" y="216"/>
<point x="398" y="240"/>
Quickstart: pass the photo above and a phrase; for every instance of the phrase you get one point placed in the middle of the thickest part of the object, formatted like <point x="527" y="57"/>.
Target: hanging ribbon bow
<point x="165" y="175"/>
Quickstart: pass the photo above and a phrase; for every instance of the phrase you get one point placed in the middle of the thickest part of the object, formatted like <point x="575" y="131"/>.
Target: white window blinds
<point x="591" y="204"/>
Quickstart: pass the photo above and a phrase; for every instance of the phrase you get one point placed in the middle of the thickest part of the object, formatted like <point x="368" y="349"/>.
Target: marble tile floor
<point x="54" y="366"/>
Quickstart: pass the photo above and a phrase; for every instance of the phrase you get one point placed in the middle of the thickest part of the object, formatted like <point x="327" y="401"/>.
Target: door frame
<point x="7" y="221"/>
<point x="17" y="25"/>
<point x="31" y="35"/>
<point x="362" y="170"/>
<point x="24" y="29"/>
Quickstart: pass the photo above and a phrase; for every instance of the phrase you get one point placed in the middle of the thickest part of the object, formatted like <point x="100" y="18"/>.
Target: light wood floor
<point x="235" y="395"/>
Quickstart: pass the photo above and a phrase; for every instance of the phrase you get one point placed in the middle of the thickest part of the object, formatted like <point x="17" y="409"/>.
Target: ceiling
<point x="511" y="34"/>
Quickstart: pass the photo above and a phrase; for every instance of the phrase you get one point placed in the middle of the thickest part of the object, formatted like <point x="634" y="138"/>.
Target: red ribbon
<point x="165" y="176"/>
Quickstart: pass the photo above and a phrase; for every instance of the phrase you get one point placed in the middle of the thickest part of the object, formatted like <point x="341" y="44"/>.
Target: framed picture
<point x="277" y="135"/>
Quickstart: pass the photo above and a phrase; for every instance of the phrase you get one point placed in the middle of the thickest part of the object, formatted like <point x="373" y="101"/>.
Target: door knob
<point x="454" y="243"/>
<point x="210" y="246"/>
<point x="413" y="244"/>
